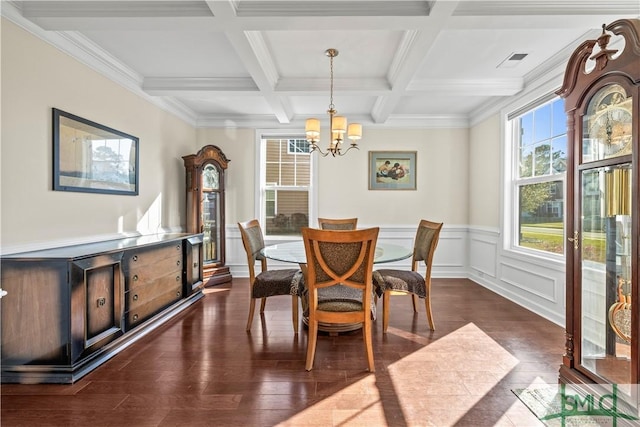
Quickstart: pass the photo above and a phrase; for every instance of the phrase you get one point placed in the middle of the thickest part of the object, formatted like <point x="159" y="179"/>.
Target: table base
<point x="334" y="328"/>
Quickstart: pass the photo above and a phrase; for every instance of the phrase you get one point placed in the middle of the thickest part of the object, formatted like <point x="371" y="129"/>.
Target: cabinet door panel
<point x="35" y="313"/>
<point x="100" y="301"/>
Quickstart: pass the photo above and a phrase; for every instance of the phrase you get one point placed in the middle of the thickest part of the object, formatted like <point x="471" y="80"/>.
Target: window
<point x="540" y="156"/>
<point x="285" y="202"/>
<point x="298" y="146"/>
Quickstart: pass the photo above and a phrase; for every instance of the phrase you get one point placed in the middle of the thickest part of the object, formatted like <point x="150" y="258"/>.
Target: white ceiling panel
<point x="361" y="53"/>
<point x="172" y="53"/>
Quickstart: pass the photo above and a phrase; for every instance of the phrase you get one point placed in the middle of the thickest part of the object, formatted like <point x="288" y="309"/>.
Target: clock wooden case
<point x="205" y="173"/>
<point x="601" y="88"/>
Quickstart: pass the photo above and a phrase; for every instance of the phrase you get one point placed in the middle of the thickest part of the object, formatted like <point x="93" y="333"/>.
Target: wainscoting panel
<point x="533" y="283"/>
<point x="483" y="249"/>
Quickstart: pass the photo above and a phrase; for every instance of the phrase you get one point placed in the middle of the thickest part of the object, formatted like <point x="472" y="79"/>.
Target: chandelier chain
<point x="331" y="106"/>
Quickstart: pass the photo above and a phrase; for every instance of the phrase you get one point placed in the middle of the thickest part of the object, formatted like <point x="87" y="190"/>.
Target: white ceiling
<point x="261" y="63"/>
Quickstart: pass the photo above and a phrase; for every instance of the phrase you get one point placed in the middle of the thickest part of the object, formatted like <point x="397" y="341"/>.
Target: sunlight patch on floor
<point x="462" y="368"/>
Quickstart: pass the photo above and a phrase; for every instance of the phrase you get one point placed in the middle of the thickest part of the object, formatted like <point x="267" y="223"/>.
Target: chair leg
<point x="386" y="299"/>
<point x="427" y="303"/>
<point x="294" y="312"/>
<point x="263" y="303"/>
<point x="252" y="308"/>
<point x="368" y="346"/>
<point x="414" y="300"/>
<point x="312" y="337"/>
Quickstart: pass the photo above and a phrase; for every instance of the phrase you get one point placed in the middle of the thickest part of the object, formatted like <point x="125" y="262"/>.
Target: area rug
<point x="559" y="405"/>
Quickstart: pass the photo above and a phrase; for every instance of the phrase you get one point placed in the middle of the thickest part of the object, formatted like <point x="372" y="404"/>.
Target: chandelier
<point x="337" y="125"/>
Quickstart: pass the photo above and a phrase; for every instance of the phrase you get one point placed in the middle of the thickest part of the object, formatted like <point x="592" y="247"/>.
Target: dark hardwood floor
<point x="203" y="369"/>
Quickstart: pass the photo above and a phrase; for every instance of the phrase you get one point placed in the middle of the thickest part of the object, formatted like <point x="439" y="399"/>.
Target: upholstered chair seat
<point x="267" y="283"/>
<point x="400" y="280"/>
<point x="275" y="282"/>
<point x="411" y="282"/>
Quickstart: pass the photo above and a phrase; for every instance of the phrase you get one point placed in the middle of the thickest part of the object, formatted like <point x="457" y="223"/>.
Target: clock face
<point x="210" y="177"/>
<point x="608" y="124"/>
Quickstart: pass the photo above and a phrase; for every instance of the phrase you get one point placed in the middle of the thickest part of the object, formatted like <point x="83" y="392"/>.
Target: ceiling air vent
<point x="512" y="60"/>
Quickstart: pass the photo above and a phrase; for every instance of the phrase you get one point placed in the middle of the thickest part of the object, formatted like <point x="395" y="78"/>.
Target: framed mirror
<point x="91" y="158"/>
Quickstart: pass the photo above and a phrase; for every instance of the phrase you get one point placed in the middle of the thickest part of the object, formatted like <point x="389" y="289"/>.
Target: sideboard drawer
<point x="142" y="312"/>
<point x="143" y="257"/>
<point x="145" y="292"/>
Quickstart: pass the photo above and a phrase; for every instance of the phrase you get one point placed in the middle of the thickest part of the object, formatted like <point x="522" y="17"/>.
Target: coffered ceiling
<point x="261" y="63"/>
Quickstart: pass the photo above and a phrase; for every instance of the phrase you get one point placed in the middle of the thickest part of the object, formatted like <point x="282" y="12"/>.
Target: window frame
<point x="261" y="184"/>
<point x="512" y="182"/>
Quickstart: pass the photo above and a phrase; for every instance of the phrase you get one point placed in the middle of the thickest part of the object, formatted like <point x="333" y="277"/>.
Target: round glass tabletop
<point x="294" y="252"/>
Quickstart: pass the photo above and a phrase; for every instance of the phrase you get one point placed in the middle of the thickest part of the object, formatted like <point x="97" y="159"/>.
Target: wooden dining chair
<point x="268" y="282"/>
<point x="339" y="282"/>
<point x="403" y="282"/>
<point x="338" y="224"/>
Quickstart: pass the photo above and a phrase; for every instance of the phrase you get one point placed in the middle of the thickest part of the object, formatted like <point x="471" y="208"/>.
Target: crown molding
<point x="468" y="87"/>
<point x="426" y="121"/>
<point x="171" y="86"/>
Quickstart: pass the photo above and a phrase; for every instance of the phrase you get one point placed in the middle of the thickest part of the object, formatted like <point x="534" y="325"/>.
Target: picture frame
<point x="392" y="170"/>
<point x="92" y="158"/>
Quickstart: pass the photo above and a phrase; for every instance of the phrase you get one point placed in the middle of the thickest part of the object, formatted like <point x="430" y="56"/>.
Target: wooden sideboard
<point x="70" y="309"/>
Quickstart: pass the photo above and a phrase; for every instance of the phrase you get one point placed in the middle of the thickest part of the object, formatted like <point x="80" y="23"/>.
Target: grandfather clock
<point x="205" y="209"/>
<point x="602" y="100"/>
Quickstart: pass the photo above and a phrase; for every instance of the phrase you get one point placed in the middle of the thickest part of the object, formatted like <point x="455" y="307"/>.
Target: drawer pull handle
<point x="135" y="277"/>
<point x="178" y="293"/>
<point x="135" y="257"/>
<point x="135" y="297"/>
<point x="135" y="317"/>
<point x="178" y="262"/>
<point x="177" y="278"/>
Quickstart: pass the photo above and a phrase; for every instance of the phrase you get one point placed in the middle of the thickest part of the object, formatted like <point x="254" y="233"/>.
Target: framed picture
<point x="392" y="170"/>
<point x="91" y="158"/>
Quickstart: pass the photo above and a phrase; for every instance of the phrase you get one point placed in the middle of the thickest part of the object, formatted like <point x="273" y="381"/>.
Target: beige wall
<point x="37" y="77"/>
<point x="442" y="177"/>
<point x="484" y="173"/>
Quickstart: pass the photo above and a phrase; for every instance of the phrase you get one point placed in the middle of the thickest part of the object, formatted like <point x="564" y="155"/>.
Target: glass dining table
<point x="293" y="252"/>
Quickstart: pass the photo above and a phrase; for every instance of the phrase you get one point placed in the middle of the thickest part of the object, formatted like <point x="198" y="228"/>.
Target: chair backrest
<point x="425" y="244"/>
<point x="253" y="242"/>
<point x="336" y="257"/>
<point x="338" y="224"/>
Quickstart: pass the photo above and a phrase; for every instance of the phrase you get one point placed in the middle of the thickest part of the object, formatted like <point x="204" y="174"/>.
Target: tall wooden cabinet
<point x="205" y="209"/>
<point x="602" y="100"/>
